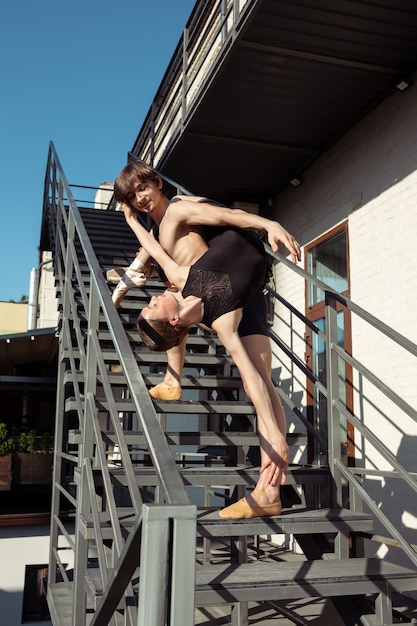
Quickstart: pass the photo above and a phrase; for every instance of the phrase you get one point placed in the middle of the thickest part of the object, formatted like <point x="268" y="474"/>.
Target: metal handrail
<point x="170" y="480"/>
<point x="336" y="409"/>
<point x="211" y="30"/>
<point x="81" y="351"/>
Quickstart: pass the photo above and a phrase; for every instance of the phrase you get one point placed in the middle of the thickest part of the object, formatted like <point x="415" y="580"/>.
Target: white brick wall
<point x="370" y="179"/>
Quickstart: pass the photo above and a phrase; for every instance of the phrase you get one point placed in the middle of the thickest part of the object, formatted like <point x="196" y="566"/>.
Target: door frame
<point x="313" y="313"/>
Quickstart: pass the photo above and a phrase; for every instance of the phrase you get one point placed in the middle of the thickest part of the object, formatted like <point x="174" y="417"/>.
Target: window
<point x="328" y="262"/>
<point x="35" y="607"/>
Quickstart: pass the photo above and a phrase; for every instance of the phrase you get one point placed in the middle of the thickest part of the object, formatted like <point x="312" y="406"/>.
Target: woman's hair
<point x="159" y="335"/>
<point x="129" y="175"/>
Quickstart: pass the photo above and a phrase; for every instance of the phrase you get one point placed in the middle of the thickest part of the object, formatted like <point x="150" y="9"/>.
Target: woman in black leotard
<point x="182" y="225"/>
<point x="226" y="278"/>
<point x="214" y="290"/>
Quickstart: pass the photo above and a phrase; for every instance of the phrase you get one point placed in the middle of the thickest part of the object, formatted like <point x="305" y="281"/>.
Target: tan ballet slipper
<point x="159" y="392"/>
<point x="245" y="510"/>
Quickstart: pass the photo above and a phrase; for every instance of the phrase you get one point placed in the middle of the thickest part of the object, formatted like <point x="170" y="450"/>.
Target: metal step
<point x="190" y="407"/>
<point x="194" y="341"/>
<point x="188" y="381"/>
<point x="262" y="581"/>
<point x="201" y="438"/>
<point x="210" y="525"/>
<point x="219" y="476"/>
<point x="291" y="521"/>
<point x="199" y="361"/>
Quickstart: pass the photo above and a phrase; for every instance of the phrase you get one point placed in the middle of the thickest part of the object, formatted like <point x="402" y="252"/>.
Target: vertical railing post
<point x="183" y="565"/>
<point x="184" y="81"/>
<point x="152" y="132"/>
<point x="223" y="20"/>
<point x="235" y="12"/>
<point x="333" y="393"/>
<point x="81" y="555"/>
<point x="167" y="558"/>
<point x="83" y="497"/>
<point x="341" y="545"/>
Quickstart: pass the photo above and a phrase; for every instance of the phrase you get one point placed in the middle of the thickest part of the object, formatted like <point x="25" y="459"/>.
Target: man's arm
<point x="194" y="212"/>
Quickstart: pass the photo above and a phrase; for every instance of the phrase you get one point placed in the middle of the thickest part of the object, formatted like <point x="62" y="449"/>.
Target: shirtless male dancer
<point x="181" y="233"/>
<point x="185" y="247"/>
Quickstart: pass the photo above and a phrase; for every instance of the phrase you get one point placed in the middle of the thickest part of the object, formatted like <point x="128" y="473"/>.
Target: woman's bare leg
<point x="170" y="387"/>
<point x="265" y="495"/>
<point x="258" y="348"/>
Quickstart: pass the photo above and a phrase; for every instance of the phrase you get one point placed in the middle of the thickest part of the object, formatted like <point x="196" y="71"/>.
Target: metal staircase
<point x="135" y="535"/>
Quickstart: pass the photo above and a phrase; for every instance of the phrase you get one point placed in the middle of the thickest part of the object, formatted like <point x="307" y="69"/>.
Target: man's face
<point x="144" y="196"/>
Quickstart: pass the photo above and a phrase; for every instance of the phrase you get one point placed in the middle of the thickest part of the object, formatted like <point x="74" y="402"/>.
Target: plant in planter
<point x="6" y="449"/>
<point x="26" y="441"/>
<point x="32" y="460"/>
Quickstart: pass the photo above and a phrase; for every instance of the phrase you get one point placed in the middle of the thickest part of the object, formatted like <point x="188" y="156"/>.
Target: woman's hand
<point x="275" y="465"/>
<point x="129" y="213"/>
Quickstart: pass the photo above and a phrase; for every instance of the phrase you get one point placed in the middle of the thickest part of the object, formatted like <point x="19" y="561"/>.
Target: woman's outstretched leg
<point x="265" y="498"/>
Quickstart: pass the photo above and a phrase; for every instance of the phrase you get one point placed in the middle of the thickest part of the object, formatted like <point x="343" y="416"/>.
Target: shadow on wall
<point x="398" y="501"/>
<point x="11" y="607"/>
<point x="287" y="386"/>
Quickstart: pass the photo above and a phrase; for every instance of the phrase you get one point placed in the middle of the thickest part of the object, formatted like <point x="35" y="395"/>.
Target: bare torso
<point x="184" y="243"/>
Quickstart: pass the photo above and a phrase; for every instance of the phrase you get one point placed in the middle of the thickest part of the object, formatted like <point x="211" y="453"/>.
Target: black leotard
<point x="255" y="317"/>
<point x="229" y="274"/>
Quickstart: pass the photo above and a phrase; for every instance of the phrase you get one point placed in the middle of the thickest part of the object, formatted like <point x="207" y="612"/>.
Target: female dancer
<point x="213" y="290"/>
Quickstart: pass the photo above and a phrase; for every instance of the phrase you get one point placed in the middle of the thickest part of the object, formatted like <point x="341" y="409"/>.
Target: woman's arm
<point x="176" y="274"/>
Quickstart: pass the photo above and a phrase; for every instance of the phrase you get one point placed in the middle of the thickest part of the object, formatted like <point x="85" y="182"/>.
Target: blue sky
<point x="80" y="73"/>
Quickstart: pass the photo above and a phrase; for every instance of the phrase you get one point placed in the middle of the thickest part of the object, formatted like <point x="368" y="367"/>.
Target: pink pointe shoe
<point x="245" y="510"/>
<point x="113" y="276"/>
<point x="132" y="277"/>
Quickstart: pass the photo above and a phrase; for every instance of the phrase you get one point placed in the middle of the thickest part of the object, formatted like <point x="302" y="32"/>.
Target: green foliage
<point x="30" y="442"/>
<point x="47" y="442"/>
<point x="23" y="300"/>
<point x="26" y="441"/>
<point x="6" y="442"/>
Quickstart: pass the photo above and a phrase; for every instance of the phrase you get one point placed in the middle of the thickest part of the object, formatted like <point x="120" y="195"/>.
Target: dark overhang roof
<point x="298" y="76"/>
<point x="33" y="347"/>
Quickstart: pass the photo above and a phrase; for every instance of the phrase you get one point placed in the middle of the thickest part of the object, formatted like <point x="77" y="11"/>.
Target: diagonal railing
<point x="210" y="32"/>
<point x="337" y="410"/>
<point x="83" y="479"/>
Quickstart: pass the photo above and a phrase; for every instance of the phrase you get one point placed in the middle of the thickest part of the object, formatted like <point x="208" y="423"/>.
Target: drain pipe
<point x="34" y="295"/>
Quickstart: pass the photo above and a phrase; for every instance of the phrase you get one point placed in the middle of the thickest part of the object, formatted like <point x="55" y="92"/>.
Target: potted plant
<point x="6" y="448"/>
<point x="32" y="459"/>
